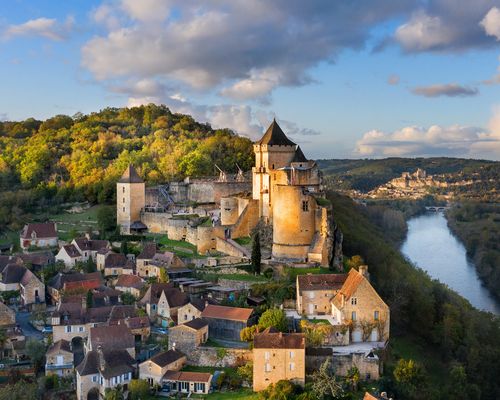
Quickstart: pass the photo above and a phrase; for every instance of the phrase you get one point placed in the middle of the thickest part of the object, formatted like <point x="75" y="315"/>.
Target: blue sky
<point x="365" y="78"/>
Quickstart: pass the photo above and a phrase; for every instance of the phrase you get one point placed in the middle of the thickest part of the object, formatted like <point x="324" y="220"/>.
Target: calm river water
<point x="431" y="246"/>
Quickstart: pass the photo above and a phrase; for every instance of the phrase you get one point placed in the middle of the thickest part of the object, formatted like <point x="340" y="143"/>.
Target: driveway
<point x="23" y="320"/>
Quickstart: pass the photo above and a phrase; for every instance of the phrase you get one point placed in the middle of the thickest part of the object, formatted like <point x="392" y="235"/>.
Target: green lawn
<point x="68" y="223"/>
<point x="180" y="247"/>
<point x="243" y="394"/>
<point x="244" y="241"/>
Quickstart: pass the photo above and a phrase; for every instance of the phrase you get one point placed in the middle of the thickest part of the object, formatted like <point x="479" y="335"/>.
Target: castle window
<point x="353" y="316"/>
<point x="273" y="166"/>
<point x="123" y="189"/>
<point x="376" y="315"/>
<point x="292" y="366"/>
<point x="305" y="206"/>
<point x="123" y="209"/>
<point x="354" y="301"/>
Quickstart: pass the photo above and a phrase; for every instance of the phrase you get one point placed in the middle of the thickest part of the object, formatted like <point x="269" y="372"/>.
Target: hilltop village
<point x="217" y="285"/>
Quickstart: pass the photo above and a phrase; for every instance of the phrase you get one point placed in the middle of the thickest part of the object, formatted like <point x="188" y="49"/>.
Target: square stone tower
<point x="130" y="199"/>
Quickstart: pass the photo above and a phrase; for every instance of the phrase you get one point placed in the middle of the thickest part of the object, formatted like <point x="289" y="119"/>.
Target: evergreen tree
<point x="90" y="299"/>
<point x="163" y="278"/>
<point x="124" y="247"/>
<point x="256" y="255"/>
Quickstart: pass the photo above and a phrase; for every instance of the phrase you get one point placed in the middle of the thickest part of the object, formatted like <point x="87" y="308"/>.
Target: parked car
<point x="47" y="329"/>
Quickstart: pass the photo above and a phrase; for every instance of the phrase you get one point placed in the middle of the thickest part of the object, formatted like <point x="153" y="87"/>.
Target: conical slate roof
<point x="130" y="176"/>
<point x="274" y="136"/>
<point x="299" y="156"/>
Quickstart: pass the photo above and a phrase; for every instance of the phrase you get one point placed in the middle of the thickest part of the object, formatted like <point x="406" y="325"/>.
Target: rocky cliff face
<point x="337" y="256"/>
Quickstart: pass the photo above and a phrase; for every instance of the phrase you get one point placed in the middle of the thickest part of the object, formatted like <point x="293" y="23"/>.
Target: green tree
<point x="138" y="389"/>
<point x="163" y="278"/>
<point x="256" y="254"/>
<point x="90" y="299"/>
<point x="128" y="298"/>
<point x="245" y="372"/>
<point x="124" y="247"/>
<point x="324" y="384"/>
<point x="114" y="394"/>
<point x="247" y="334"/>
<point x="90" y="266"/>
<point x="281" y="390"/>
<point x="352" y="378"/>
<point x="20" y="390"/>
<point x="106" y="220"/>
<point x="409" y="377"/>
<point x="35" y="350"/>
<point x="273" y="317"/>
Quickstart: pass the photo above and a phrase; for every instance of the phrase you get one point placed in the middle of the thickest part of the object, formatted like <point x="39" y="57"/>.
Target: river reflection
<point x="431" y="246"/>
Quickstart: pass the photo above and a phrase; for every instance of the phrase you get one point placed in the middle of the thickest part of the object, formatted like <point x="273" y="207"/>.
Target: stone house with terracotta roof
<point x="59" y="359"/>
<point x="168" y="305"/>
<point x="103" y="369"/>
<point x="188" y="336"/>
<point x="112" y="337"/>
<point x="88" y="248"/>
<point x="150" y="261"/>
<point x="132" y="284"/>
<point x="227" y="322"/>
<point x="73" y="282"/>
<point x="315" y="292"/>
<point x="69" y="255"/>
<point x="278" y="356"/>
<point x="358" y="305"/>
<point x="152" y="296"/>
<point x="140" y="327"/>
<point x="38" y="235"/>
<point x="156" y="367"/>
<point x="114" y="263"/>
<point x="187" y="382"/>
<point x="190" y="311"/>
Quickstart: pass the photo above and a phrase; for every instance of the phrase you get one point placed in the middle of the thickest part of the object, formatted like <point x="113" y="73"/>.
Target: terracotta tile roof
<point x="114" y="260"/>
<point x="88" y="285"/>
<point x="320" y="281"/>
<point x="42" y="230"/>
<point x="352" y="282"/>
<point x="229" y="313"/>
<point x="135" y="322"/>
<point x="167" y="357"/>
<point x="91" y="244"/>
<point x="272" y="339"/>
<point x="60" y="345"/>
<point x="175" y="297"/>
<point x="130" y="176"/>
<point x="187" y="376"/>
<point x="114" y="337"/>
<point x="72" y="251"/>
<point x="148" y="251"/>
<point x="122" y="311"/>
<point x="130" y="281"/>
<point x="369" y="396"/>
<point x="59" y="281"/>
<point x="274" y="136"/>
<point x="196" y="324"/>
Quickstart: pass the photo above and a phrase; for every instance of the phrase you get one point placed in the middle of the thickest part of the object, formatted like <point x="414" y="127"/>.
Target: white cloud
<point x="146" y="10"/>
<point x="491" y="23"/>
<point x="414" y="141"/>
<point x="45" y="27"/>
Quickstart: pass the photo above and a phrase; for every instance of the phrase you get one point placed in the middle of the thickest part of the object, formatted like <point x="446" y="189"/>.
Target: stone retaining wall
<point x="210" y="357"/>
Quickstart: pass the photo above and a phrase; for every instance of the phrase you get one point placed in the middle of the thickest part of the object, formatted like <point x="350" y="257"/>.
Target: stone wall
<point x="233" y="284"/>
<point x="7" y="316"/>
<point x="156" y="222"/>
<point x="207" y="357"/>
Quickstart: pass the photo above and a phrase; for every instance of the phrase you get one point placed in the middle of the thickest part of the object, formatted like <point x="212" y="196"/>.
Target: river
<point x="431" y="246"/>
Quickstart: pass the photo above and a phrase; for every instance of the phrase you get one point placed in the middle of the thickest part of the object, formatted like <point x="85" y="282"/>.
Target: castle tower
<point x="130" y="199"/>
<point x="272" y="152"/>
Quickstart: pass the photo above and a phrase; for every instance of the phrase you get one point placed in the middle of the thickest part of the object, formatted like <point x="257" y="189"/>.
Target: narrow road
<point x="23" y="320"/>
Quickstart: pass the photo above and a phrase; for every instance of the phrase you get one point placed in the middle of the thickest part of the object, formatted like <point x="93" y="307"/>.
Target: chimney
<point x="84" y="303"/>
<point x="101" y="358"/>
<point x="363" y="270"/>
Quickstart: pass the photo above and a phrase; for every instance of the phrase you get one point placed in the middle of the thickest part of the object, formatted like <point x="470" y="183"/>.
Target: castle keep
<point x="285" y="193"/>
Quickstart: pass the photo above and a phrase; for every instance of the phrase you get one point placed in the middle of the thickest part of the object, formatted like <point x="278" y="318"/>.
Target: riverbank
<point x="477" y="225"/>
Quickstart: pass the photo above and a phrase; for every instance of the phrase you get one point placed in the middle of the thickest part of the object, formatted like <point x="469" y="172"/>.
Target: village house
<point x="152" y="297"/>
<point x="140" y="327"/>
<point x="113" y="337"/>
<point x="190" y="311"/>
<point x="88" y="248"/>
<point x="14" y="343"/>
<point x="73" y="282"/>
<point x="150" y="261"/>
<point x="278" y="356"/>
<point x="358" y="305"/>
<point x="38" y="235"/>
<point x="168" y="305"/>
<point x="59" y="359"/>
<point x="143" y="260"/>
<point x="132" y="284"/>
<point x="157" y="366"/>
<point x="227" y="322"/>
<point x="187" y="382"/>
<point x="31" y="289"/>
<point x="103" y="369"/>
<point x="316" y="291"/>
<point x="69" y="255"/>
<point x="189" y="335"/>
<point x="7" y="316"/>
<point x="36" y="261"/>
<point x="114" y="263"/>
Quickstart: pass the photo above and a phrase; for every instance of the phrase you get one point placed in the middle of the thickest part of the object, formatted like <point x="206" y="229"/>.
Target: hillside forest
<point x="79" y="158"/>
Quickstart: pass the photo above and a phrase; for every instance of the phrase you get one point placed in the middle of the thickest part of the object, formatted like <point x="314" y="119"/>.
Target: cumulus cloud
<point x="414" y="141"/>
<point x="450" y="90"/>
<point x="491" y="23"/>
<point x="45" y="27"/>
<point x="243" y="50"/>
<point x="445" y="25"/>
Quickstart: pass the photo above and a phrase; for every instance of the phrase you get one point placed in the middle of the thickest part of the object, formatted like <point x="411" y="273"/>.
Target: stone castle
<point x="285" y="193"/>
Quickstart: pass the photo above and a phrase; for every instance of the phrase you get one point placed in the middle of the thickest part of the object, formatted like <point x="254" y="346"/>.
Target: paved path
<point x="23" y="320"/>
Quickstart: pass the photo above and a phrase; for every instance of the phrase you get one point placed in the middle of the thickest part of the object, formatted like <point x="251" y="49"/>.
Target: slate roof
<point x="130" y="281"/>
<point x="27" y="277"/>
<point x="299" y="156"/>
<point x="229" y="313"/>
<point x="72" y="251"/>
<point x="130" y="176"/>
<point x="198" y="303"/>
<point x="175" y="297"/>
<point x="60" y="345"/>
<point x="272" y="339"/>
<point x="167" y="357"/>
<point x="92" y="245"/>
<point x="320" y="281"/>
<point x="115" y="362"/>
<point x="39" y="258"/>
<point x="154" y="292"/>
<point x="5" y="260"/>
<point x="135" y="322"/>
<point x="114" y="260"/>
<point x="13" y="273"/>
<point x="148" y="251"/>
<point x="163" y="259"/>
<point x="187" y="376"/>
<point x="196" y="324"/>
<point x="274" y="136"/>
<point x="114" y="337"/>
<point x="42" y="230"/>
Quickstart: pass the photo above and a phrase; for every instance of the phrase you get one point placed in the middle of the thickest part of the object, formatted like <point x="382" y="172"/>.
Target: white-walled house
<point x="39" y="235"/>
<point x="69" y="255"/>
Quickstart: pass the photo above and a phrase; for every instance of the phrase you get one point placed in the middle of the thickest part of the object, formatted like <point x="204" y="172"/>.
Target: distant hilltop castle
<point x="285" y="193"/>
